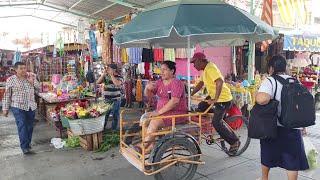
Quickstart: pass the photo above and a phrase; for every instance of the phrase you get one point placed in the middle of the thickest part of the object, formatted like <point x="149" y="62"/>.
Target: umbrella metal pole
<point x="189" y="74"/>
<point x="234" y="66"/>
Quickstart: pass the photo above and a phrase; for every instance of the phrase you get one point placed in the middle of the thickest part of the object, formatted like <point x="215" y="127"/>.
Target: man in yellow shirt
<point x="220" y="96"/>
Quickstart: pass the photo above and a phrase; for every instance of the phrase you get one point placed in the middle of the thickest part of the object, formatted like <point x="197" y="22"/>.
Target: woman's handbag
<point x="263" y="119"/>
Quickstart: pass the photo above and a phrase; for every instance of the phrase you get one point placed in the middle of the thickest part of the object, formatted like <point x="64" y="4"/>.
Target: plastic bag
<point x="144" y="117"/>
<point x="311" y="153"/>
<point x="57" y="143"/>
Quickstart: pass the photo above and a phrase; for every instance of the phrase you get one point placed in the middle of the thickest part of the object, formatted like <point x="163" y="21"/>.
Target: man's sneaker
<point x="28" y="152"/>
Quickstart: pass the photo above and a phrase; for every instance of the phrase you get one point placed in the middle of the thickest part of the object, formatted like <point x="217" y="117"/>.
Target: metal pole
<point x="189" y="74"/>
<point x="251" y="57"/>
<point x="234" y="66"/>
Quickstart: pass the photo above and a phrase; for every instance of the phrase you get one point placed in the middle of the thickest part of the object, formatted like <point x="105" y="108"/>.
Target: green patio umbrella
<point x="185" y="23"/>
<point x="205" y="22"/>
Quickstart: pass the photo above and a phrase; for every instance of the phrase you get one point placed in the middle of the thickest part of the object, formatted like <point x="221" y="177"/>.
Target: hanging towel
<point x="181" y="53"/>
<point x="158" y="54"/>
<point x="169" y="54"/>
<point x="147" y="55"/>
<point x="135" y="55"/>
<point x="124" y="55"/>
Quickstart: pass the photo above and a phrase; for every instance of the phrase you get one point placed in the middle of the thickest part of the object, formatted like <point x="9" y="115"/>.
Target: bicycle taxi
<point x="177" y="151"/>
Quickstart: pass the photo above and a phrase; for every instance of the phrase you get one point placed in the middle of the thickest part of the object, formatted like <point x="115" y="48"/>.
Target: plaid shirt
<point x="20" y="94"/>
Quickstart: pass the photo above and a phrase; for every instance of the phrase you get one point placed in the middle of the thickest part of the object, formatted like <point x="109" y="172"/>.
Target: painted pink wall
<point x="221" y="56"/>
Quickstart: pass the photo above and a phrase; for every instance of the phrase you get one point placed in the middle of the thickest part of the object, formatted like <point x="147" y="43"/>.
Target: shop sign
<point x="301" y="43"/>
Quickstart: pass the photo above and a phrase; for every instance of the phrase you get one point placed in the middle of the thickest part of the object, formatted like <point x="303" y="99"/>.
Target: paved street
<point x="78" y="164"/>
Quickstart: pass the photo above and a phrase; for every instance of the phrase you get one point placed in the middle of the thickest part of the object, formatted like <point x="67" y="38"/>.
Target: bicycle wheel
<point x="242" y="134"/>
<point x="183" y="147"/>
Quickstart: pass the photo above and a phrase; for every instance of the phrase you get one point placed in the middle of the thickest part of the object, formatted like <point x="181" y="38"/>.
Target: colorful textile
<point x="124" y="55"/>
<point x="181" y="53"/>
<point x="147" y="55"/>
<point x="139" y="91"/>
<point x="135" y="55"/>
<point x="141" y="68"/>
<point x="169" y="54"/>
<point x="116" y="54"/>
<point x="93" y="44"/>
<point x="158" y="54"/>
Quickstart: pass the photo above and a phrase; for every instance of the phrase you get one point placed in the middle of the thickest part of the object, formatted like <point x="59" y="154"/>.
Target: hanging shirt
<point x="181" y="53"/>
<point x="124" y="55"/>
<point x="169" y="54"/>
<point x="147" y="55"/>
<point x="135" y="55"/>
<point x="139" y="91"/>
<point x="141" y="68"/>
<point x="158" y="54"/>
<point x="116" y="54"/>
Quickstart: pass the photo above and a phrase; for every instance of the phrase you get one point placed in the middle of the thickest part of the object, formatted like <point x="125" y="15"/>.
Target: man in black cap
<point x="112" y="92"/>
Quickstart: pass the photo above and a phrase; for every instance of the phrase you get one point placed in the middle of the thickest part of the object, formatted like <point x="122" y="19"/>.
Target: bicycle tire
<point x="169" y="143"/>
<point x="245" y="144"/>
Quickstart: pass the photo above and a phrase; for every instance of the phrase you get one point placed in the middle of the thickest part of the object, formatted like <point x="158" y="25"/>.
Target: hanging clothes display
<point x="93" y="44"/>
<point x="141" y="69"/>
<point x="139" y="95"/>
<point x="147" y="55"/>
<point x="116" y="54"/>
<point x="124" y="55"/>
<point x="147" y="70"/>
<point x="135" y="55"/>
<point x="17" y="57"/>
<point x="106" y="47"/>
<point x="181" y="53"/>
<point x="169" y="54"/>
<point x="158" y="54"/>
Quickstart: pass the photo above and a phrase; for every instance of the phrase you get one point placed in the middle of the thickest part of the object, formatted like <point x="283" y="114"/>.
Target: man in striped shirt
<point x="112" y="92"/>
<point x="19" y="95"/>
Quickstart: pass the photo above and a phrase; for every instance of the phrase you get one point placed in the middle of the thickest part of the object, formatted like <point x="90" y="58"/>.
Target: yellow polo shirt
<point x="209" y="75"/>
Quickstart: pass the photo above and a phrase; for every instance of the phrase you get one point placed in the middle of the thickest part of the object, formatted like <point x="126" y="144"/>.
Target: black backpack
<point x="297" y="104"/>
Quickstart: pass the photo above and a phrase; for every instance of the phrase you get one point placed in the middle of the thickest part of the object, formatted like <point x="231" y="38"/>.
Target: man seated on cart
<point x="220" y="95"/>
<point x="171" y="100"/>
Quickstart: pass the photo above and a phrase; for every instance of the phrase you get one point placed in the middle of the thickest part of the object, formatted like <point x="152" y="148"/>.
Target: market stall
<point x="304" y="62"/>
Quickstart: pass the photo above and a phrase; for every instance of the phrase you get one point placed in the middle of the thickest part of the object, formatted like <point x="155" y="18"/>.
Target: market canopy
<point x="206" y="22"/>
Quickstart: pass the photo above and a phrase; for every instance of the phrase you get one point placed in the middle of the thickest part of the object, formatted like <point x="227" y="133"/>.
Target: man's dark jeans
<point x="115" y="110"/>
<point x="24" y="121"/>
<point x="221" y="127"/>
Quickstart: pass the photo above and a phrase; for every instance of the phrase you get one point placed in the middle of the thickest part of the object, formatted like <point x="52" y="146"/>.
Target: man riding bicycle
<point x="220" y="96"/>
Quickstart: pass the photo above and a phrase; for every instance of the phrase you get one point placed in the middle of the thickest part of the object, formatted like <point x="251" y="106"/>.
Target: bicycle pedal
<point x="219" y="140"/>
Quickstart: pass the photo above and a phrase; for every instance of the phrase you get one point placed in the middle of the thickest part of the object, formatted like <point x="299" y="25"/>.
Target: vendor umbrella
<point x="206" y="22"/>
<point x="185" y="23"/>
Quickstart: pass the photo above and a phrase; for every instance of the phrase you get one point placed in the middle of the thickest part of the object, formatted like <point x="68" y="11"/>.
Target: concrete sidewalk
<point x="77" y="164"/>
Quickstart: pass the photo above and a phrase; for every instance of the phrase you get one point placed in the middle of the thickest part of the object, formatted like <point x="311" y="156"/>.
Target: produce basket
<point x="87" y="126"/>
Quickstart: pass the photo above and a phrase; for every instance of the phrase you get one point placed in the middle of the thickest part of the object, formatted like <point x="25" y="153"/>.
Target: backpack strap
<point x="284" y="81"/>
<point x="275" y="92"/>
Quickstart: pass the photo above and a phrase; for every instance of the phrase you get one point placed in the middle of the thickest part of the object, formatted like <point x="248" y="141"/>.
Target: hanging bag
<point x="263" y="119"/>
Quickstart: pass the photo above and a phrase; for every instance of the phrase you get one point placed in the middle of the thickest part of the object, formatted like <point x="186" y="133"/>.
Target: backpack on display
<point x="297" y="104"/>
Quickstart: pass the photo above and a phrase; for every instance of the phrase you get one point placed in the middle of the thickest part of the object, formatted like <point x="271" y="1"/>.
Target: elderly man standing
<point x="20" y="96"/>
<point x="220" y="96"/>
